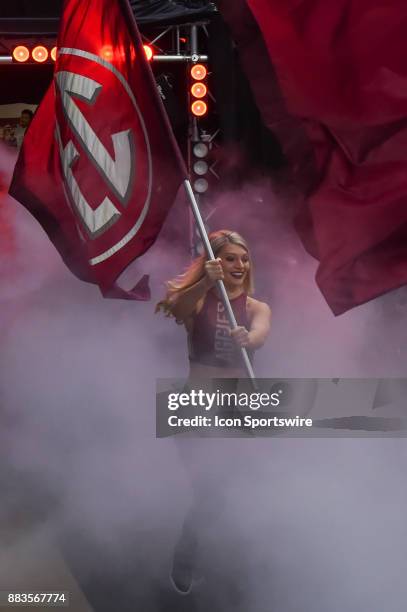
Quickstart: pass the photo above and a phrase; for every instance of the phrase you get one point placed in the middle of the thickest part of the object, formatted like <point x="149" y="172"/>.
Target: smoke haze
<point x="313" y="525"/>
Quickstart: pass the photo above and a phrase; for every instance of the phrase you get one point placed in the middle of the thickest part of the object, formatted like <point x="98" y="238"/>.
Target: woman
<point x="214" y="352"/>
<point x="193" y="299"/>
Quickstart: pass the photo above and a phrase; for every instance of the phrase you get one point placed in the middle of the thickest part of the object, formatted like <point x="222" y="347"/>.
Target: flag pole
<point x="220" y="285"/>
<point x="194" y="204"/>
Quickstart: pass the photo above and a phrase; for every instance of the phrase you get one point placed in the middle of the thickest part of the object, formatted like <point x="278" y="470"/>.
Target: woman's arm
<point x="260" y="324"/>
<point x="187" y="300"/>
<point x="260" y="315"/>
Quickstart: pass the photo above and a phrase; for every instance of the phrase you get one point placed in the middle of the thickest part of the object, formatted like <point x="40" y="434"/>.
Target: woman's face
<point x="235" y="264"/>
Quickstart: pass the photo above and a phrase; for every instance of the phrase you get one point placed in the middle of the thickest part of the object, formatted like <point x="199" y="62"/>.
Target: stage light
<point x="39" y="54"/>
<point x="53" y="53"/>
<point x="149" y="52"/>
<point x="200" y="167"/>
<point x="21" y="54"/>
<point x="198" y="72"/>
<point x="200" y="149"/>
<point x="201" y="185"/>
<point x="106" y="53"/>
<point x="199" y="108"/>
<point x="199" y="90"/>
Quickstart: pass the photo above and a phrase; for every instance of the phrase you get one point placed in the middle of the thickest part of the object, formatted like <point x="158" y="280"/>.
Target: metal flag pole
<point x="225" y="299"/>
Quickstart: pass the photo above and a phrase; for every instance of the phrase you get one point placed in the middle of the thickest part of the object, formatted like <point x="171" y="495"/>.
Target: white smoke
<point x="311" y="525"/>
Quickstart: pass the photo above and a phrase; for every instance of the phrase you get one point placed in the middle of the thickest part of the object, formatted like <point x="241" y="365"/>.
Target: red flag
<point x="341" y="69"/>
<point x="99" y="167"/>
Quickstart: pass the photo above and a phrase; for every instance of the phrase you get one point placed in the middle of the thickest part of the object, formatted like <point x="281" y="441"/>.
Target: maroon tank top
<point x="210" y="342"/>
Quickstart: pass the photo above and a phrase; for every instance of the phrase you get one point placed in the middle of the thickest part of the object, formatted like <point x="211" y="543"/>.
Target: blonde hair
<point x="196" y="270"/>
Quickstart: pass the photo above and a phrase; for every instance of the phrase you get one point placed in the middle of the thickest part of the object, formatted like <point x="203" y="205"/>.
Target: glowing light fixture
<point x="39" y="54"/>
<point x="53" y="53"/>
<point x="21" y="54"/>
<point x="201" y="185"/>
<point x="106" y="53"/>
<point x="198" y="72"/>
<point x="149" y="52"/>
<point x="199" y="90"/>
<point x="200" y="167"/>
<point x="199" y="108"/>
<point x="200" y="149"/>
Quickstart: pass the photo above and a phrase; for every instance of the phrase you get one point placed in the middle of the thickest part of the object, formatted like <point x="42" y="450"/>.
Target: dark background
<point x="244" y="137"/>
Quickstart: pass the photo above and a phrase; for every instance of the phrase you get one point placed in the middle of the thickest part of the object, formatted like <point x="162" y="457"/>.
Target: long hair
<point x="196" y="270"/>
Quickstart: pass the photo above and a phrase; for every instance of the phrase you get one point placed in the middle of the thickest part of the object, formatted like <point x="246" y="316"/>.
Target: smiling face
<point x="235" y="264"/>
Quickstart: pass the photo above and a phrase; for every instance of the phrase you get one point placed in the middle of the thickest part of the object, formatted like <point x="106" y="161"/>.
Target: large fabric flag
<point x="341" y="71"/>
<point x="99" y="167"/>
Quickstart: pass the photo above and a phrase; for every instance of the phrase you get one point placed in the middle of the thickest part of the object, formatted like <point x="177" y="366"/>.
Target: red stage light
<point x="199" y="90"/>
<point x="199" y="108"/>
<point x="53" y="53"/>
<point x="149" y="52"/>
<point x="21" y="54"/>
<point x="198" y="72"/>
<point x="39" y="54"/>
<point x="106" y="53"/>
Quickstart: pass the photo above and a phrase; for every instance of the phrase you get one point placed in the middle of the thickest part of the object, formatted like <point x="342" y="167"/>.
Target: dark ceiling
<point x="31" y="8"/>
<point x="25" y="83"/>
